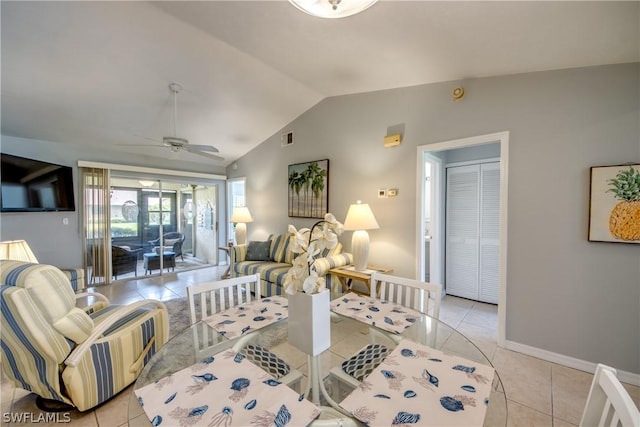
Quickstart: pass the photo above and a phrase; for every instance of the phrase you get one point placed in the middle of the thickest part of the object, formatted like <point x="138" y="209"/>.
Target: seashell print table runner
<point x="385" y="315"/>
<point x="246" y="318"/>
<point x="224" y="390"/>
<point x="416" y="384"/>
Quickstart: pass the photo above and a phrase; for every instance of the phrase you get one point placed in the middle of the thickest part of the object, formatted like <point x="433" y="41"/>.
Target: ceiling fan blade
<point x="148" y="138"/>
<point x="141" y="145"/>
<point x="205" y="154"/>
<point x="208" y="148"/>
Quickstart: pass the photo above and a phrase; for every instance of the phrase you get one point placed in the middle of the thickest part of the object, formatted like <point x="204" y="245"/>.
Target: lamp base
<point x="360" y="249"/>
<point x="241" y="233"/>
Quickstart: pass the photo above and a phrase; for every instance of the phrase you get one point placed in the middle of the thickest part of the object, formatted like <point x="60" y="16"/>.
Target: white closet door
<point x="489" y="232"/>
<point x="473" y="231"/>
<point x="462" y="231"/>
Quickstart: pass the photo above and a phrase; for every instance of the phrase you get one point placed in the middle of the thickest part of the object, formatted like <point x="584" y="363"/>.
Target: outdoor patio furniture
<point x="152" y="261"/>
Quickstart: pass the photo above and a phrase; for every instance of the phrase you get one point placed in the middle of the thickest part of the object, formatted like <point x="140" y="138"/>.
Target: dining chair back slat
<point x="221" y="295"/>
<point x="407" y="292"/>
<point x="609" y="404"/>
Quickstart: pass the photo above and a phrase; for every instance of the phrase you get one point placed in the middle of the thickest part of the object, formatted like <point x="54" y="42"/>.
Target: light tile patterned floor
<point x="539" y="393"/>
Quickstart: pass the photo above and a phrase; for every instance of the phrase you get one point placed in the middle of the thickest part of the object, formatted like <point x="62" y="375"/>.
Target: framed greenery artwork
<point x="614" y="211"/>
<point x="309" y="189"/>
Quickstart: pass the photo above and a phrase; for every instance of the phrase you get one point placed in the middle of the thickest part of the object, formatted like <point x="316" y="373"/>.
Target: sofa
<point x="272" y="259"/>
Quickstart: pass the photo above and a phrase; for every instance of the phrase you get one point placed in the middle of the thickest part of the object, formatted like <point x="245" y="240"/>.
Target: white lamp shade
<point x="241" y="214"/>
<point x="332" y="8"/>
<point x="360" y="217"/>
<point x="17" y="250"/>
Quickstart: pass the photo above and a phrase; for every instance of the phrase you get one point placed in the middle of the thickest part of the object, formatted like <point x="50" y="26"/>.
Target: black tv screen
<point x="34" y="186"/>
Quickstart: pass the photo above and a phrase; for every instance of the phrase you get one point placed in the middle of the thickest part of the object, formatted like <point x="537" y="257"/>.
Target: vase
<point x="309" y="328"/>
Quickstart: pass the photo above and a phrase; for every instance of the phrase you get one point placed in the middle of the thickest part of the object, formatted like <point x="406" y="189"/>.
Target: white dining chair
<point x="410" y="293"/>
<point x="209" y="298"/>
<point x="206" y="299"/>
<point x="609" y="404"/>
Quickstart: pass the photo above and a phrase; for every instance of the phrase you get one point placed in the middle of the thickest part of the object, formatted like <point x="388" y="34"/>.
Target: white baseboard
<point x="571" y="362"/>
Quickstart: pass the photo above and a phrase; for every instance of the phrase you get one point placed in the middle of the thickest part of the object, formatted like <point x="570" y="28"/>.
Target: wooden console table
<point x="348" y="274"/>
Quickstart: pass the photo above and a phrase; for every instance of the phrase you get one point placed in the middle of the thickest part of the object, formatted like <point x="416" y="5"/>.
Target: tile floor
<point x="539" y="393"/>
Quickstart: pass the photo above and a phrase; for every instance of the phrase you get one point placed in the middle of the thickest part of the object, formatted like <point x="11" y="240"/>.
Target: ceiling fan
<point x="174" y="143"/>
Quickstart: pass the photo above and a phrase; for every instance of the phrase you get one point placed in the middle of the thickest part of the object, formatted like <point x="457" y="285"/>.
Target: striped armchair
<point x="81" y="357"/>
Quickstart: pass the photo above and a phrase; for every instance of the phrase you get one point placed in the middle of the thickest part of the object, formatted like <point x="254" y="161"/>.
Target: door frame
<point x="503" y="139"/>
<point x="436" y="185"/>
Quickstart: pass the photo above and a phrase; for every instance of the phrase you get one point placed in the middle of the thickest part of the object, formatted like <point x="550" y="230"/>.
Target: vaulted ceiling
<point x="97" y="73"/>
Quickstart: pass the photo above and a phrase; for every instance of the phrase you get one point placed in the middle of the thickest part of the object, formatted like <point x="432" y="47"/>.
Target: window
<point x="154" y="211"/>
<point x="235" y="194"/>
<point x="124" y="213"/>
<point x="152" y="207"/>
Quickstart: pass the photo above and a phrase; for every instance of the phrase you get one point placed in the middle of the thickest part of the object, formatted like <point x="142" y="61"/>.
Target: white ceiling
<point x="97" y="73"/>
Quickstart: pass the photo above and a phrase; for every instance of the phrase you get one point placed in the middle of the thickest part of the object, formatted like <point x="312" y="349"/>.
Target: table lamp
<point x="360" y="219"/>
<point x="240" y="217"/>
<point x="17" y="250"/>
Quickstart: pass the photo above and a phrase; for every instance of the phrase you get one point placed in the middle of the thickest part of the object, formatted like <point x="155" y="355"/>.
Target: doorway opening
<point x="432" y="215"/>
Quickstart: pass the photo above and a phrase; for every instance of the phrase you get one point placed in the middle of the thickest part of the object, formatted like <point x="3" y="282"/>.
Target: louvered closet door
<point x="461" y="254"/>
<point x="472" y="231"/>
<point x="489" y="232"/>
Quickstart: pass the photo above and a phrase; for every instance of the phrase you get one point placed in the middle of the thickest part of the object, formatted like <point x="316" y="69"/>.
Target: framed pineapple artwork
<point x="614" y="211"/>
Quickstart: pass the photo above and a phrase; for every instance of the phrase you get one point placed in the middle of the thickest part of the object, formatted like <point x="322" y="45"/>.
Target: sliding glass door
<point x="156" y="226"/>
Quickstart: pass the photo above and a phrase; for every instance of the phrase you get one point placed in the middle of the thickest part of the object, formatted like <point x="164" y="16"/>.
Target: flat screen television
<point x="35" y="186"/>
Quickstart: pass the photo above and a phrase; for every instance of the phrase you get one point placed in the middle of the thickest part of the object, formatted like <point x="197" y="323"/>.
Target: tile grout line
<point x="553" y="418"/>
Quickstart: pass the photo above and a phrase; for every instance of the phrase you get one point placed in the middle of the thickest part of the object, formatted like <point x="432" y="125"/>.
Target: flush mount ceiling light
<point x="332" y="8"/>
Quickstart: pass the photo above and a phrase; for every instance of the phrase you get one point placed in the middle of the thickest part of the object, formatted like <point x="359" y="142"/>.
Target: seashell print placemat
<point x="224" y="390"/>
<point x="385" y="315"/>
<point x="245" y="318"/>
<point x="416" y="384"/>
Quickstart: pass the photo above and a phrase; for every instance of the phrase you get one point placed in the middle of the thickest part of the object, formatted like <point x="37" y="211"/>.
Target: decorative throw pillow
<point x="258" y="251"/>
<point x="170" y="242"/>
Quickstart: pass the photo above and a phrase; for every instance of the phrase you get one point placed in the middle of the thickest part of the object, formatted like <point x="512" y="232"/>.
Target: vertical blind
<point x="96" y="195"/>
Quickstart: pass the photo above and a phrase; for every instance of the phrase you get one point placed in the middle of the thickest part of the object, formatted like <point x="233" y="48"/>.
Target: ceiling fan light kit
<point x="332" y="8"/>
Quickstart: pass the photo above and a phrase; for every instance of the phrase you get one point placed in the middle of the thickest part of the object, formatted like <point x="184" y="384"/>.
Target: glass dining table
<point x="348" y="335"/>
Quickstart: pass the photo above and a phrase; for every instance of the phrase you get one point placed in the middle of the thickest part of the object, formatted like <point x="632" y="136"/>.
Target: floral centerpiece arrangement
<point x="309" y="243"/>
